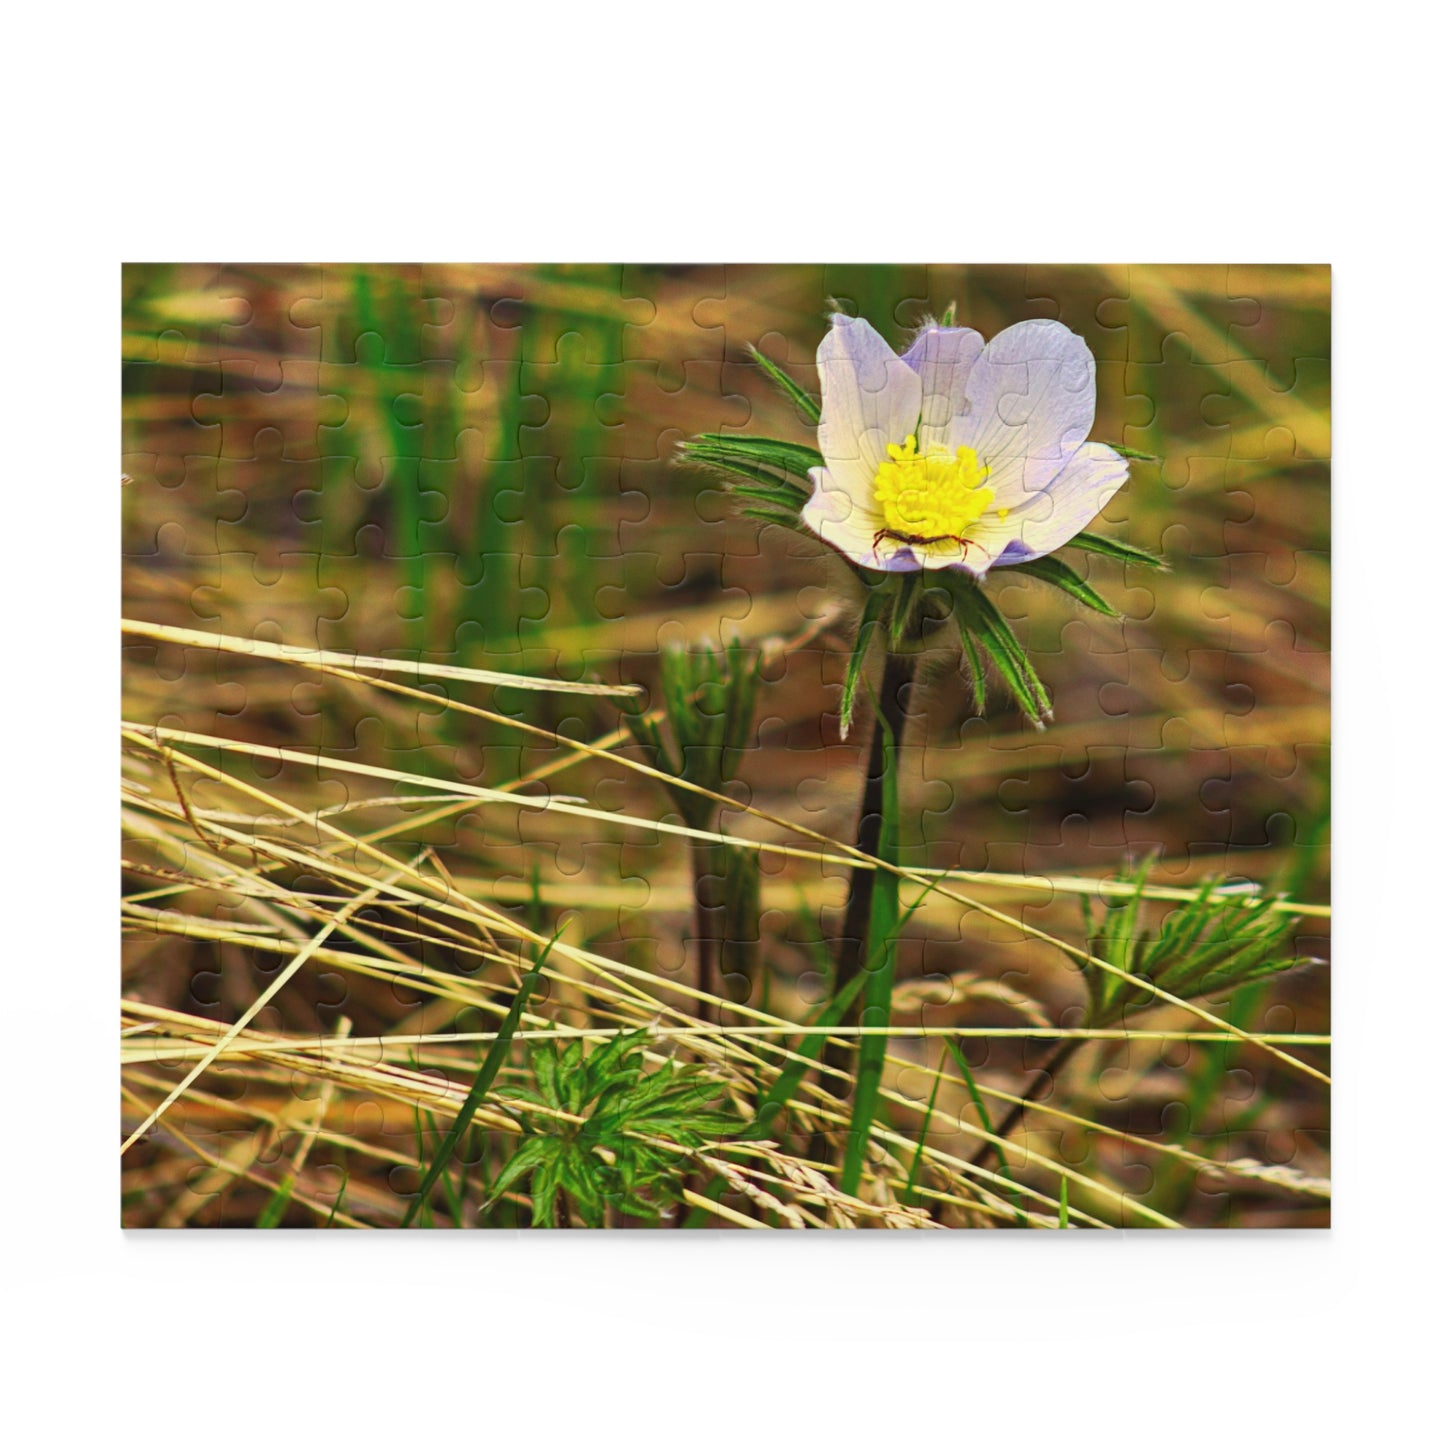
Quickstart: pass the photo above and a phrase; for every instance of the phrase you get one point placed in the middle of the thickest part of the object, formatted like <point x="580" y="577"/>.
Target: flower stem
<point x="1047" y="1074"/>
<point x="897" y="679"/>
<point x="704" y="883"/>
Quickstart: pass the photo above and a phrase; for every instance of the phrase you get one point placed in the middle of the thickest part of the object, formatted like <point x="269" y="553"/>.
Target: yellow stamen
<point x="934" y="497"/>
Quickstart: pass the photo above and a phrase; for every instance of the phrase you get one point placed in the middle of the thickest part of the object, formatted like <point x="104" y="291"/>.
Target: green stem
<point x="1047" y="1074"/>
<point x="897" y="679"/>
<point x="704" y="884"/>
<point x="705" y="949"/>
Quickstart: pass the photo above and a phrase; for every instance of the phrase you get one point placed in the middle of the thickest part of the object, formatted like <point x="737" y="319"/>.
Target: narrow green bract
<point x="874" y="611"/>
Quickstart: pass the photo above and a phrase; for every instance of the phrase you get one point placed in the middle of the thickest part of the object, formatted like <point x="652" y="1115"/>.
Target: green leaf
<point x="977" y="680"/>
<point x="976" y="613"/>
<point x="615" y="1053"/>
<point x="1217" y="941"/>
<point x="985" y="1120"/>
<point x="1059" y="574"/>
<point x="336" y="1204"/>
<point x="791" y="458"/>
<point x="623" y="1113"/>
<point x="524" y="1159"/>
<point x="917" y="1164"/>
<point x="1120" y="551"/>
<point x="767" y="490"/>
<point x="546" y="1181"/>
<point x="1236" y="973"/>
<point x="790" y="388"/>
<point x="1093" y="977"/>
<point x="1122" y="947"/>
<point x="744" y="674"/>
<point x="786" y="1084"/>
<point x="739" y="956"/>
<point x="709" y="698"/>
<point x="572" y="1077"/>
<point x="1013" y="666"/>
<point x="774" y="517"/>
<point x="1131" y="455"/>
<point x="907" y="593"/>
<point x="769" y="483"/>
<point x="1251" y="945"/>
<point x="1183" y="927"/>
<point x="543" y="1060"/>
<point x="1123" y="923"/>
<point x="873" y="611"/>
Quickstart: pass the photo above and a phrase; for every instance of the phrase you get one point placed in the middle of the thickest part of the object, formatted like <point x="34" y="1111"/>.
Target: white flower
<point x="957" y="454"/>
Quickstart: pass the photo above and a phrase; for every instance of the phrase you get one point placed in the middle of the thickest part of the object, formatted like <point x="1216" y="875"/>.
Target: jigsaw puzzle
<point x="712" y="747"/>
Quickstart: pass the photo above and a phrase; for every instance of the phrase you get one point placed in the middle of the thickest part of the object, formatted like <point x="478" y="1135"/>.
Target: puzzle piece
<point x="475" y="468"/>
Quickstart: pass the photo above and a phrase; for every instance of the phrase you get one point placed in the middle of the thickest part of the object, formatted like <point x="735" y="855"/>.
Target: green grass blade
<point x="340" y="1195"/>
<point x="270" y="1217"/>
<point x="428" y="1221"/>
<point x="786" y="1084"/>
<point x="486" y="1075"/>
<point x="917" y="1163"/>
<point x="984" y="1119"/>
<point x="777" y="1097"/>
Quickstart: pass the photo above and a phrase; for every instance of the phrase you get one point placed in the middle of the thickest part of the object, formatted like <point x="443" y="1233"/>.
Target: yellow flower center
<point x="931" y="498"/>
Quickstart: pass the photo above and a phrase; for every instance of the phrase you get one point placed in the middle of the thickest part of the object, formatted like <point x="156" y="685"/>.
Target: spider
<point x="915" y="539"/>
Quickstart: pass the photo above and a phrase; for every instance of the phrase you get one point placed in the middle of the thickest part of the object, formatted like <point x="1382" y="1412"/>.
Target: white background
<point x="903" y="132"/>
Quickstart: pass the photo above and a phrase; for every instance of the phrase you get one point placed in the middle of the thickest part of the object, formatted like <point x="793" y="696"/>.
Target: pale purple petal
<point x="871" y="400"/>
<point x="1029" y="404"/>
<point x="942" y="356"/>
<point x="890" y="556"/>
<point x="1051" y="520"/>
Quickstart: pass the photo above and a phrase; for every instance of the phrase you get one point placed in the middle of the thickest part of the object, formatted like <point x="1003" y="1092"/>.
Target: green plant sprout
<point x="603" y="1133"/>
<point x="1210" y="946"/>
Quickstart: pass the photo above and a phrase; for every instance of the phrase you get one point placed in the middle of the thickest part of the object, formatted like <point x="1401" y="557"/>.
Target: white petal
<point x="1045" y="523"/>
<point x="871" y="400"/>
<point x="942" y="356"/>
<point x="852" y="527"/>
<point x="1029" y="404"/>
